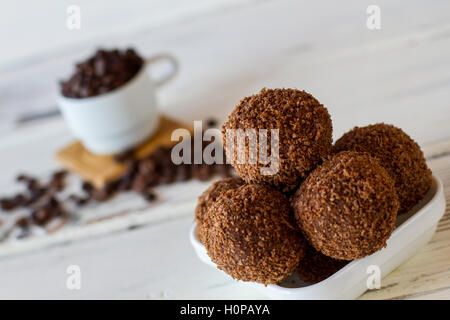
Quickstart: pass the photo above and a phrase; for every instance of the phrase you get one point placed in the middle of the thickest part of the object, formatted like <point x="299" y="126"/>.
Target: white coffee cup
<point x="120" y="119"/>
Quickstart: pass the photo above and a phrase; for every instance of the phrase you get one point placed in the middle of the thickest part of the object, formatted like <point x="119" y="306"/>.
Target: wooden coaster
<point x="99" y="169"/>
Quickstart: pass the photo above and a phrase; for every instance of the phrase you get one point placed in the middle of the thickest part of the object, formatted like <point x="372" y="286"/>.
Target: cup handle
<point x="174" y="70"/>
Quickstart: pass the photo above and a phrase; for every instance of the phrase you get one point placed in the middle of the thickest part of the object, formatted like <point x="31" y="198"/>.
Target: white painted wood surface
<point x="398" y="74"/>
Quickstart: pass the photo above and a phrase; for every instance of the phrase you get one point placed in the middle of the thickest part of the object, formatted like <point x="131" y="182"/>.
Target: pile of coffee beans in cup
<point x="103" y="72"/>
<point x="46" y="201"/>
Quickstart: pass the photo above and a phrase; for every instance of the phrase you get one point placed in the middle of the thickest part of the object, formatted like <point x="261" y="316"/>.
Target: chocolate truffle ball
<point x="315" y="266"/>
<point x="347" y="207"/>
<point x="249" y="234"/>
<point x="305" y="136"/>
<point x="209" y="196"/>
<point x="398" y="154"/>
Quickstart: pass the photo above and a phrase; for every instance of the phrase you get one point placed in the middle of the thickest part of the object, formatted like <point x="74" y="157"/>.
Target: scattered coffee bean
<point x="183" y="172"/>
<point x="78" y="200"/>
<point x="147" y="167"/>
<point x="35" y="195"/>
<point x="223" y="170"/>
<point x="112" y="186"/>
<point x="132" y="167"/>
<point x="201" y="172"/>
<point x="139" y="184"/>
<point x="20" y="200"/>
<point x="41" y="216"/>
<point x="33" y="185"/>
<point x="22" y="178"/>
<point x="57" y="182"/>
<point x="49" y="210"/>
<point x="100" y="194"/>
<point x="87" y="186"/>
<point x="154" y="180"/>
<point x="211" y="123"/>
<point x="125" y="182"/>
<point x="61" y="174"/>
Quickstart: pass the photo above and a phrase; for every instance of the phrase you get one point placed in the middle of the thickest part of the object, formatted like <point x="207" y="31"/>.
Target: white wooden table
<point x="399" y="74"/>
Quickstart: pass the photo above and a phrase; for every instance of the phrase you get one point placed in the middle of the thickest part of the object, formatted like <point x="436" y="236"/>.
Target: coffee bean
<point x="35" y="195"/>
<point x="211" y="123"/>
<point x="52" y="202"/>
<point x="167" y="174"/>
<point x="140" y="183"/>
<point x="33" y="185"/>
<point x="149" y="195"/>
<point x="223" y="170"/>
<point x="25" y="178"/>
<point x="204" y="173"/>
<point x="78" y="200"/>
<point x="141" y="176"/>
<point x="100" y="194"/>
<point x="124" y="156"/>
<point x="20" y="200"/>
<point x="23" y="222"/>
<point x="87" y="186"/>
<point x="201" y="172"/>
<point x="125" y="182"/>
<point x="132" y="165"/>
<point x="103" y="72"/>
<point x="112" y="186"/>
<point x="22" y="178"/>
<point x="41" y="216"/>
<point x="153" y="180"/>
<point x="82" y="201"/>
<point x="183" y="173"/>
<point x="61" y="174"/>
<point x="57" y="182"/>
<point x="147" y="167"/>
<point x="100" y="66"/>
<point x="160" y="155"/>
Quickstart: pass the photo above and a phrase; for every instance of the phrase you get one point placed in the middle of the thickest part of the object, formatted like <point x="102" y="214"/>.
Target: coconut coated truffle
<point x="305" y="135"/>
<point x="249" y="234"/>
<point x="347" y="207"/>
<point x="315" y="266"/>
<point x="209" y="196"/>
<point x="399" y="155"/>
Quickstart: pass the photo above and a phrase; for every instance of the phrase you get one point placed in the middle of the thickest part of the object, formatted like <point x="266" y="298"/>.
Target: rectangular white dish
<point x="414" y="230"/>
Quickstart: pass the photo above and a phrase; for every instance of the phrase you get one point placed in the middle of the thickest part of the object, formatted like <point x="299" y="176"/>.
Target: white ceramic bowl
<point x="120" y="119"/>
<point x="414" y="230"/>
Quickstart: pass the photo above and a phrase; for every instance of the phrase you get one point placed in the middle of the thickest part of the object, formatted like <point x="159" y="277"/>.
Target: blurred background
<point x="396" y="73"/>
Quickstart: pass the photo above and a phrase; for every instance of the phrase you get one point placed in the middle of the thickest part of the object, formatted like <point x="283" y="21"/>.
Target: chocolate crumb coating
<point x="400" y="155"/>
<point x="249" y="234"/>
<point x="315" y="266"/>
<point x="347" y="207"/>
<point x="209" y="196"/>
<point x="305" y="135"/>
